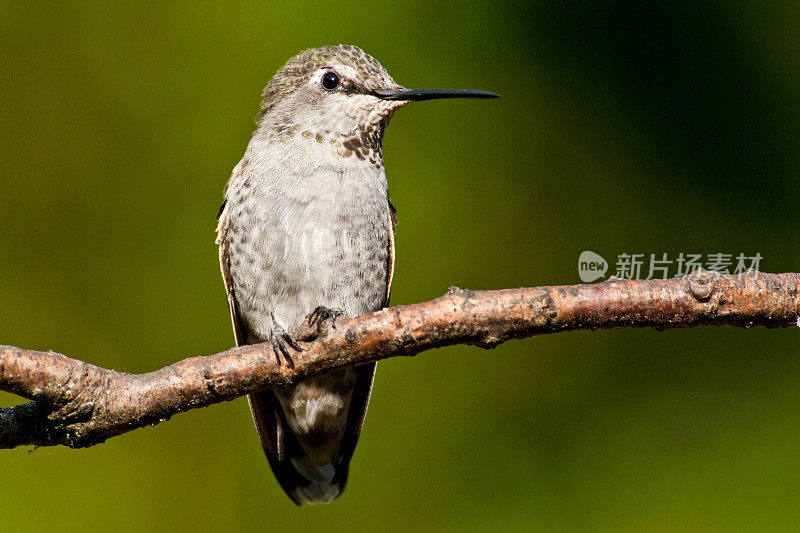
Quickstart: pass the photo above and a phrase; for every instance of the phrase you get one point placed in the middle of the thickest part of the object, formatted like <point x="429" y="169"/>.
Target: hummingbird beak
<point x="417" y="95"/>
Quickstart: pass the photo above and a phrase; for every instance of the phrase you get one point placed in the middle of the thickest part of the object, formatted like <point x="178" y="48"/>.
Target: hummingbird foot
<point x="321" y="313"/>
<point x="318" y="321"/>
<point x="281" y="342"/>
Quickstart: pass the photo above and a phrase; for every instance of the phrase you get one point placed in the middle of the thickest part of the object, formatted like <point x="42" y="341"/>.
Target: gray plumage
<point x="307" y="223"/>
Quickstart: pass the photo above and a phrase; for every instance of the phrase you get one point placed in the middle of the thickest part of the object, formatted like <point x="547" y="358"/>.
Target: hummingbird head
<point x="339" y="98"/>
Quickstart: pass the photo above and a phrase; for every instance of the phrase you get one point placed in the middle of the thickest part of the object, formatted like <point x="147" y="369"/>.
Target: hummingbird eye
<point x="330" y="80"/>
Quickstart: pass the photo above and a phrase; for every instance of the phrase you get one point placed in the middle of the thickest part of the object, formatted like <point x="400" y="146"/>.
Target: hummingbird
<point x="306" y="233"/>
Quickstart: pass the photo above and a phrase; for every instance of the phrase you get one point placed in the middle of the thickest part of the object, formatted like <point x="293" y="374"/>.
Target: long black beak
<point x="431" y="94"/>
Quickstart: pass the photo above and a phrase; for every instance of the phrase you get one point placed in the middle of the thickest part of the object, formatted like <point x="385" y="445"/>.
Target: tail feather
<point x="321" y="474"/>
<point x="313" y="493"/>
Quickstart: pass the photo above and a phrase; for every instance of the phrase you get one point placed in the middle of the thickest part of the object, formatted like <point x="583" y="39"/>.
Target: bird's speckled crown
<point x="371" y="75"/>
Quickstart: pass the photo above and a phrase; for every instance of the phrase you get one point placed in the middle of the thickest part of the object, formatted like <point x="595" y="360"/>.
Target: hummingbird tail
<point x="301" y="479"/>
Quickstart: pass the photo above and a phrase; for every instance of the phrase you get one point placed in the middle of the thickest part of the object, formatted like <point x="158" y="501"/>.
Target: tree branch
<point x="78" y="404"/>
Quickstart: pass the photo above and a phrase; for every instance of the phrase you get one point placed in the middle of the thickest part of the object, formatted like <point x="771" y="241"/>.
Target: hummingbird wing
<point x="390" y="270"/>
<point x="224" y="265"/>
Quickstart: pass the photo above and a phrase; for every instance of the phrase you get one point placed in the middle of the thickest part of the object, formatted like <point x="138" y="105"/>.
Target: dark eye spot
<point x="330" y="80"/>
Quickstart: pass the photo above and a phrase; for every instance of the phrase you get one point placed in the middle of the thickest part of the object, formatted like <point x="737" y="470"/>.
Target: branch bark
<point x="77" y="404"/>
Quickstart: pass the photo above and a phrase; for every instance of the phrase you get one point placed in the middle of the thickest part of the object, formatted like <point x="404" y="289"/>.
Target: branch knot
<point x="701" y="284"/>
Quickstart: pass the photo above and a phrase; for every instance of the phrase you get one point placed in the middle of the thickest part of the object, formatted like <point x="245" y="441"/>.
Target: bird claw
<point x="321" y="313"/>
<point x="316" y="323"/>
<point x="281" y="342"/>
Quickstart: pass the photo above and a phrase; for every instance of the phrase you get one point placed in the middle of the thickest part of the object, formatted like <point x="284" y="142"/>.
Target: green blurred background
<point x="622" y="129"/>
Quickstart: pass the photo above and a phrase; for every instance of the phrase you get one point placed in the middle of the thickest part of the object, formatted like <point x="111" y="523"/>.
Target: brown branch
<point x="78" y="404"/>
